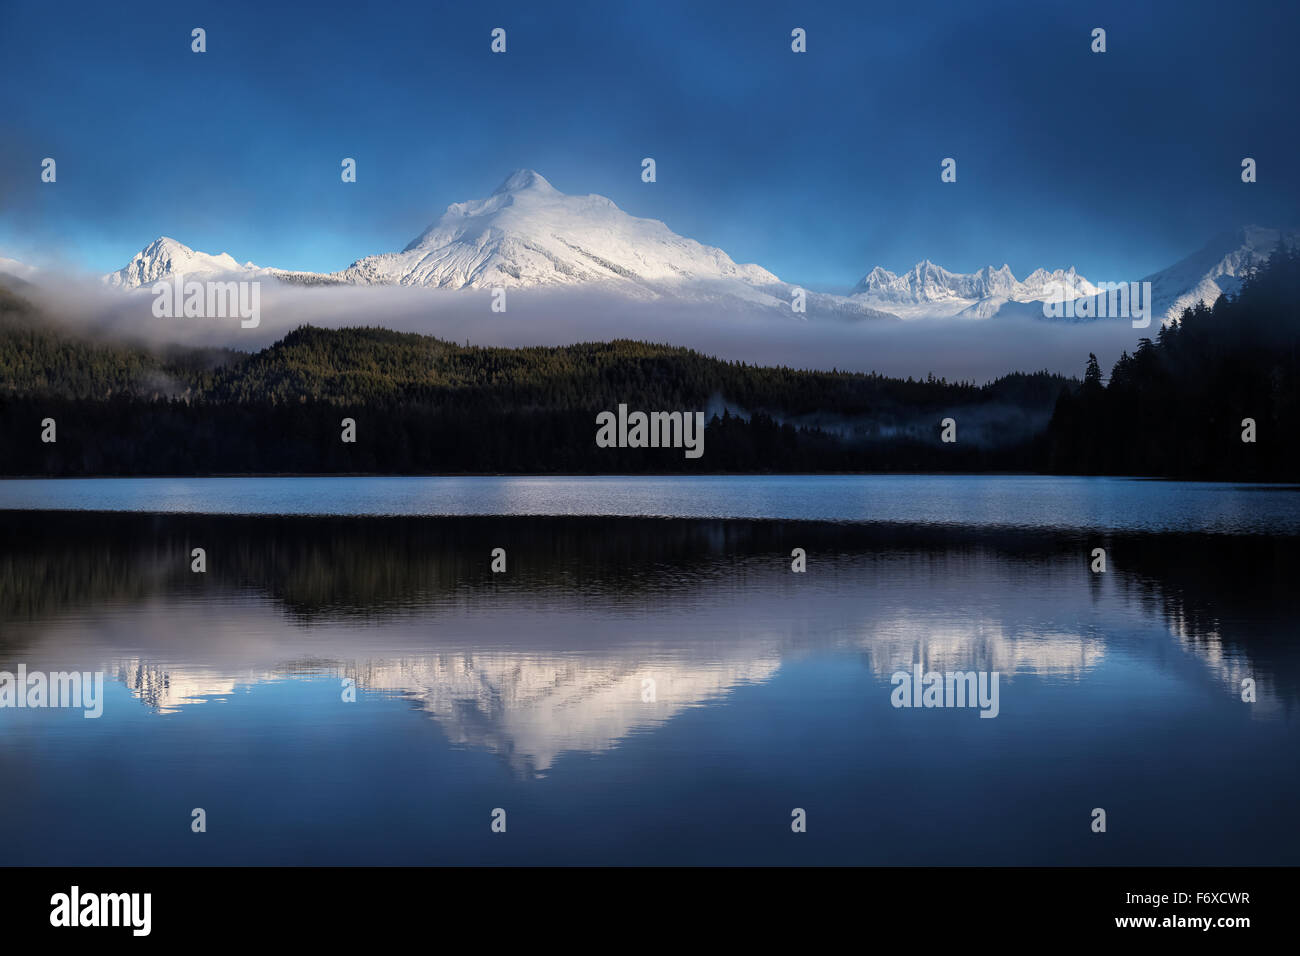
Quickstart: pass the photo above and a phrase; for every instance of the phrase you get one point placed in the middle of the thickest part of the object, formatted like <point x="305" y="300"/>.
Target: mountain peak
<point x="167" y="256"/>
<point x="528" y="233"/>
<point x="930" y="290"/>
<point x="164" y="243"/>
<point x="1215" y="269"/>
<point x="524" y="179"/>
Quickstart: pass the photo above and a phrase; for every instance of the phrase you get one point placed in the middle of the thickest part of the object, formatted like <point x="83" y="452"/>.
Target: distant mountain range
<point x="527" y="234"/>
<point x="1214" y="269"/>
<point x="929" y="290"/>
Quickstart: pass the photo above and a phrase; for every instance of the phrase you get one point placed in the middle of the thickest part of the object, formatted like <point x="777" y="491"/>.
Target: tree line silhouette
<point x="422" y="405"/>
<point x="1177" y="407"/>
<point x="425" y="405"/>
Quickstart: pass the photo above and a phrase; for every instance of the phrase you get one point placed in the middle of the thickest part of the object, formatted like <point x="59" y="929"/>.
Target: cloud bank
<point x="956" y="349"/>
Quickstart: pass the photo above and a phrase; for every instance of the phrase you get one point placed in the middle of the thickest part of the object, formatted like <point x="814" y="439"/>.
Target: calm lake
<point x="648" y="681"/>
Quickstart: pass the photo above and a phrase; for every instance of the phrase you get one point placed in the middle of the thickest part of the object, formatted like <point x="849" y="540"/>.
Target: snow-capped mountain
<point x="165" y="256"/>
<point x="1214" y="269"/>
<point x="931" y="291"/>
<point x="527" y="233"/>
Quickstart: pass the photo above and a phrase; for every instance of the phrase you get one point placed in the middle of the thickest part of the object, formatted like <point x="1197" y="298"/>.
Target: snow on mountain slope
<point x="1214" y="269"/>
<point x="931" y="291"/>
<point x="165" y="256"/>
<point x="527" y="233"/>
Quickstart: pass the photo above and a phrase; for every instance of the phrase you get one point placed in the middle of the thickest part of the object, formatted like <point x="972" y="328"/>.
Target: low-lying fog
<point x="961" y="349"/>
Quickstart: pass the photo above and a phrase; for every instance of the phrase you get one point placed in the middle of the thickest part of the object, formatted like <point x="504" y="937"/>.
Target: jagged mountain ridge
<point x="930" y="290"/>
<point x="1214" y="269"/>
<point x="527" y="234"/>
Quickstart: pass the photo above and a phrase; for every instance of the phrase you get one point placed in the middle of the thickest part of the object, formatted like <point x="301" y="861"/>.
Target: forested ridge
<point x="1180" y="405"/>
<point x="426" y="405"/>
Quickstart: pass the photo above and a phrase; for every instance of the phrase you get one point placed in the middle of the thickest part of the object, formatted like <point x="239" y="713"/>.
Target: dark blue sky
<point x="817" y="166"/>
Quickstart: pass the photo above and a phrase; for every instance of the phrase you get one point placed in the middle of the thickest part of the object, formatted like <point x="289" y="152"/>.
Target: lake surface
<point x="1042" y="503"/>
<point x="648" y="681"/>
